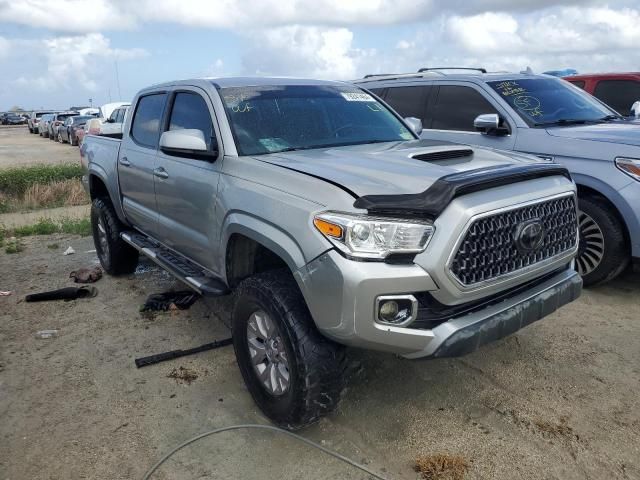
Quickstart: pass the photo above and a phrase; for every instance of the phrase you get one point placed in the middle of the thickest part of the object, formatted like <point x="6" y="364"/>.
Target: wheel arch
<point x="98" y="187"/>
<point x="602" y="192"/>
<point x="254" y="246"/>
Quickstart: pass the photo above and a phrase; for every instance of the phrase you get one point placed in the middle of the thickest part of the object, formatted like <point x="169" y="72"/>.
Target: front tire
<point x="116" y="256"/>
<point x="603" y="252"/>
<point x="294" y="374"/>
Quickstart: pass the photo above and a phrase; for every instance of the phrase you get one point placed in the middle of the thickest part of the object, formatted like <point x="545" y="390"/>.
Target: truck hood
<point x="627" y="133"/>
<point x="390" y="168"/>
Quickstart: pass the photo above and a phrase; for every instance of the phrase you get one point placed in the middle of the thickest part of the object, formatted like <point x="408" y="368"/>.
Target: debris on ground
<point x="162" y="357"/>
<point x="87" y="274"/>
<point x="169" y="301"/>
<point x="183" y="375"/>
<point x="442" y="466"/>
<point x="46" y="334"/>
<point x="561" y="429"/>
<point x="69" y="251"/>
<point x="5" y="293"/>
<point x="68" y="293"/>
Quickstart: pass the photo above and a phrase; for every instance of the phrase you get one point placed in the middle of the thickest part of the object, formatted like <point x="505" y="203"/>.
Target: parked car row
<point x="13" y="118"/>
<point x="71" y="126"/>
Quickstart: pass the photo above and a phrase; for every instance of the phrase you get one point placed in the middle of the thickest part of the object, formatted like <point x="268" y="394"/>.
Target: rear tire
<point x="603" y="252"/>
<point x="116" y="256"/>
<point x="307" y="369"/>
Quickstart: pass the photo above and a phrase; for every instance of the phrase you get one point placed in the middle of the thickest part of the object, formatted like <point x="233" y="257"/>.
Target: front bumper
<point x="341" y="296"/>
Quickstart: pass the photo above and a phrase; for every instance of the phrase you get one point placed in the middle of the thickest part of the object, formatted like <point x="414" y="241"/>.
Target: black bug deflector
<point x="435" y="199"/>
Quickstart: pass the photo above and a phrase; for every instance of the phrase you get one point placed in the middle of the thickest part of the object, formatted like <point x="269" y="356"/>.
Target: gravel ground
<point x="19" y="148"/>
<point x="557" y="400"/>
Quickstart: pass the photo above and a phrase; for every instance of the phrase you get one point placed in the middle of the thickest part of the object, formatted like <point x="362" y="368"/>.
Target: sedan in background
<point x="11" y="118"/>
<point x="68" y="131"/>
<point x="56" y="122"/>
<point x="43" y="126"/>
<point x="34" y="120"/>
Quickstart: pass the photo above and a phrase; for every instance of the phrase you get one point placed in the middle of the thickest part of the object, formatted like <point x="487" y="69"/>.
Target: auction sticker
<point x="357" y="97"/>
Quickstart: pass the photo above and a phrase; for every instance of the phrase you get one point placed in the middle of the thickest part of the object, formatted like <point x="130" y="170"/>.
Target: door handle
<point x="161" y="173"/>
<point x="125" y="162"/>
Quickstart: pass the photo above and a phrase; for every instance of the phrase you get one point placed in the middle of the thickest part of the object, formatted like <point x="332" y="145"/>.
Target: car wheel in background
<point x="60" y="140"/>
<point x="603" y="251"/>
<point x="72" y="140"/>
<point x="294" y="374"/>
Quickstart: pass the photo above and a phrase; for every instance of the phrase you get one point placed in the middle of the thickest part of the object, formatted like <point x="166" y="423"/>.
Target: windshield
<point x="281" y="118"/>
<point x="548" y="101"/>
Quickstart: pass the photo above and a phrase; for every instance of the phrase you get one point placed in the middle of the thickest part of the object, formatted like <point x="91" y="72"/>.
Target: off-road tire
<point x="119" y="257"/>
<point x="72" y="142"/>
<point x="616" y="249"/>
<point x="317" y="365"/>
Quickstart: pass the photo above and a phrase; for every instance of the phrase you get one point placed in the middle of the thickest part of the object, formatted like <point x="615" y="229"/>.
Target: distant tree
<point x="15" y="108"/>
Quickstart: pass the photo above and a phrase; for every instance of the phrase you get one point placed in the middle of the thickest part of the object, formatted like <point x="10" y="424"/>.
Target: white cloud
<point x="75" y="62"/>
<point x="305" y="51"/>
<point x="66" y="15"/>
<point x="98" y="15"/>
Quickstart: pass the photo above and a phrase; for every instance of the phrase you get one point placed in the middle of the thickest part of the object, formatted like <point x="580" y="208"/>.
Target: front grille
<point x="489" y="249"/>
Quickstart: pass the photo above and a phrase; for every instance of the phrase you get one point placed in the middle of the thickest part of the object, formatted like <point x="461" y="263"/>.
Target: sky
<point x="55" y="54"/>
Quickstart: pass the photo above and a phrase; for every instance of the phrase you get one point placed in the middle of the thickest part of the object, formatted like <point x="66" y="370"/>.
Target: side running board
<point x="179" y="266"/>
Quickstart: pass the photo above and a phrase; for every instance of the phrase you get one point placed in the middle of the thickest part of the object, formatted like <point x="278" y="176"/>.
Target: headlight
<point x="362" y="236"/>
<point x="630" y="166"/>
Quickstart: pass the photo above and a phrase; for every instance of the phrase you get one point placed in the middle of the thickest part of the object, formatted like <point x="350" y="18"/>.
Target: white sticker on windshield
<point x="357" y="97"/>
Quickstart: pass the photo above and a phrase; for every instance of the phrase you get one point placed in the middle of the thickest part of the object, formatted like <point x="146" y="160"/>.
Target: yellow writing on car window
<point x="510" y="88"/>
<point x="529" y="104"/>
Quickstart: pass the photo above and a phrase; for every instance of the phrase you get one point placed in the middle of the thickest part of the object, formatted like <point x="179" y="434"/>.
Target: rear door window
<point x="457" y="107"/>
<point x="145" y="128"/>
<point x="409" y="101"/>
<point x="618" y="94"/>
<point x="190" y="111"/>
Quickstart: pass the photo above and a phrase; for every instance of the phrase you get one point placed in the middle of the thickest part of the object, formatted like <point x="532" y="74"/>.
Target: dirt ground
<point x="557" y="400"/>
<point x="18" y="147"/>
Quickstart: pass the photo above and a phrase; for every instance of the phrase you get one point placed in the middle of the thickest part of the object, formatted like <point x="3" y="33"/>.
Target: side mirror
<point x="489" y="124"/>
<point x="415" y="124"/>
<point x="635" y="109"/>
<point x="185" y="143"/>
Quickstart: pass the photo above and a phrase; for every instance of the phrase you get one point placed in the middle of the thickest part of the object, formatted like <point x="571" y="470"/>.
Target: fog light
<point x="389" y="310"/>
<point x="399" y="310"/>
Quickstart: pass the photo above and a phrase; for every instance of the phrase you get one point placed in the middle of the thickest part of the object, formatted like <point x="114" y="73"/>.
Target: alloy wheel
<point x="268" y="354"/>
<point x="590" y="246"/>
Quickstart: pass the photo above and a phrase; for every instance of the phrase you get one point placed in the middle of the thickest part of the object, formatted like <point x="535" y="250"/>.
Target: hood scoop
<point x="440" y="155"/>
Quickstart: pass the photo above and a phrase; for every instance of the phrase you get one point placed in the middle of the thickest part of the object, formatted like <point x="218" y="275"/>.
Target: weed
<point x="53" y="246"/>
<point x="16" y="181"/>
<point x="561" y="429"/>
<point x="14" y="246"/>
<point x="442" y="466"/>
<point x="46" y="226"/>
<point x="183" y="375"/>
<point x="62" y="193"/>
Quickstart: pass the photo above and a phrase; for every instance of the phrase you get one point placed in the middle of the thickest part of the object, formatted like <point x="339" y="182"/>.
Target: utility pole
<point x="118" y="80"/>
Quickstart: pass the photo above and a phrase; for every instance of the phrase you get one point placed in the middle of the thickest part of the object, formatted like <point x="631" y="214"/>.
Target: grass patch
<point x="46" y="226"/>
<point x="53" y="246"/>
<point x="16" y="181"/>
<point x="442" y="466"/>
<point x="59" y="193"/>
<point x="14" y="246"/>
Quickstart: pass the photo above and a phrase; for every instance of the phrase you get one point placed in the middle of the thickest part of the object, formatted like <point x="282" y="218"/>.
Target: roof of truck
<point x="438" y="75"/>
<point x="224" y="82"/>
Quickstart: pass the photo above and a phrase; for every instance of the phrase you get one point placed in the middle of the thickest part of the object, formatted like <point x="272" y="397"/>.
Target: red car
<point x="618" y="90"/>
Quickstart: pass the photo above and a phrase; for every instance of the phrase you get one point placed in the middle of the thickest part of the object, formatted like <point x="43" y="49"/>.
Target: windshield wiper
<point x="563" y="121"/>
<point x="331" y="145"/>
<point x="608" y="118"/>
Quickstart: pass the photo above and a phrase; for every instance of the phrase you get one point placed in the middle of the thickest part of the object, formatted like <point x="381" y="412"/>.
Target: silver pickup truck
<point x="334" y="225"/>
